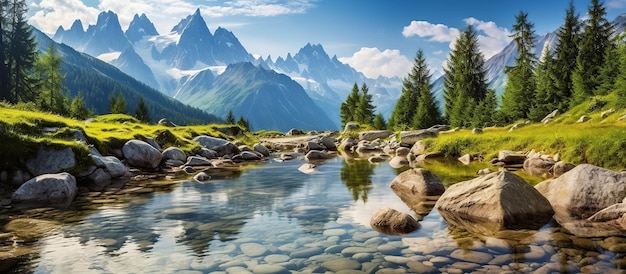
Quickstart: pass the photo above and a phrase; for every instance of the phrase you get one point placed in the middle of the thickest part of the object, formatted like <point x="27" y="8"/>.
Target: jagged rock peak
<point x="77" y="26"/>
<point x="139" y="27"/>
<point x="189" y="21"/>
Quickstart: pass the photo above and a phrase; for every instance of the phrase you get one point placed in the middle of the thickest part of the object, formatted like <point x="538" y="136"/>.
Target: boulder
<point x="538" y="166"/>
<point x="166" y="122"/>
<point x="350" y="126"/>
<point x="493" y="202"/>
<point x="477" y="130"/>
<point x="374" y="134"/>
<point x="209" y="142"/>
<point x="226" y="149"/>
<point x="390" y="221"/>
<point x="511" y="158"/>
<point x="197" y="161"/>
<point x="409" y="138"/>
<point x="584" y="190"/>
<point x="611" y="213"/>
<point x="202" y="177"/>
<point x="314" y="155"/>
<point x="251" y="156"/>
<point x="98" y="180"/>
<point x="153" y="143"/>
<point x="294" y="132"/>
<point x="347" y="144"/>
<point x="583" y="119"/>
<point x="377" y="159"/>
<point x="56" y="190"/>
<point x="398" y="162"/>
<point x="50" y="160"/>
<point x="606" y="113"/>
<point x="113" y="166"/>
<point x="402" y="151"/>
<point x="418" y="148"/>
<point x="174" y="153"/>
<point x="141" y="154"/>
<point x="561" y="167"/>
<point x="311" y="145"/>
<point x="207" y="153"/>
<point x="622" y="118"/>
<point x="465" y="159"/>
<point x="329" y="142"/>
<point x="550" y="116"/>
<point x="418" y="181"/>
<point x="261" y="149"/>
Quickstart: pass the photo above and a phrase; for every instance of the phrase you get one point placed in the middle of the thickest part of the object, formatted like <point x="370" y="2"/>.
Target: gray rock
<point x="471" y="256"/>
<point x="390" y="221"/>
<point x="306" y="252"/>
<point x="374" y="134"/>
<point x="510" y="158"/>
<point x="348" y="144"/>
<point x="209" y="142"/>
<point x="173" y="163"/>
<point x="329" y="142"/>
<point x="98" y="179"/>
<point x="584" y="190"/>
<point x="350" y="126"/>
<point x="377" y="159"/>
<point x="174" y="153"/>
<point x="497" y="201"/>
<point x="51" y="160"/>
<point x="251" y="156"/>
<point x="561" y="167"/>
<point x="226" y="149"/>
<point x="166" y="122"/>
<point x="262" y="149"/>
<point x="538" y="166"/>
<point x="418" y="181"/>
<point x="56" y="190"/>
<point x="402" y="151"/>
<point x="583" y="119"/>
<point x="197" y="161"/>
<point x="269" y="269"/>
<point x="409" y="138"/>
<point x="477" y="130"/>
<point x="550" y="116"/>
<point x="153" y="143"/>
<point x="207" y="153"/>
<point x="606" y="113"/>
<point x="141" y="154"/>
<point x="418" y="148"/>
<point x="202" y="177"/>
<point x="398" y="162"/>
<point x="314" y="146"/>
<point x="341" y="264"/>
<point x="111" y="165"/>
<point x="465" y="159"/>
<point x="294" y="132"/>
<point x="622" y="118"/>
<point x="253" y="249"/>
<point x="314" y="155"/>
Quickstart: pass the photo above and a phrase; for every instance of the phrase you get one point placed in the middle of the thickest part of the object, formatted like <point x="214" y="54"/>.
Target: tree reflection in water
<point x="357" y="177"/>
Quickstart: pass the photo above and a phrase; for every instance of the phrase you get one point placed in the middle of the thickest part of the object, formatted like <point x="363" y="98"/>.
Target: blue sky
<point x="375" y="37"/>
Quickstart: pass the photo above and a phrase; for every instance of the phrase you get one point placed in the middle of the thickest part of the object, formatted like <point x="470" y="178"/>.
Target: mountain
<point x="96" y="81"/>
<point x="328" y="81"/>
<point x="132" y="63"/>
<point x="139" y="27"/>
<point x="267" y="99"/>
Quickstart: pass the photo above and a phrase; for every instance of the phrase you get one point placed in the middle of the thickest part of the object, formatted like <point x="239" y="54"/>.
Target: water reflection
<point x="356" y="175"/>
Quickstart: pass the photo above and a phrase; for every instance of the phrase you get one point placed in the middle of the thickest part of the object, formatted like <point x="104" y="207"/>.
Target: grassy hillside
<point x="21" y="133"/>
<point x="599" y="141"/>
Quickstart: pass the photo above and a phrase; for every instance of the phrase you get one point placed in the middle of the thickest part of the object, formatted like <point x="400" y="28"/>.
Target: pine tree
<point x="141" y="112"/>
<point x="620" y="81"/>
<point x="465" y="79"/>
<point x="119" y="105"/>
<point x="78" y="109"/>
<point x="379" y="122"/>
<point x="19" y="53"/>
<point x="419" y="77"/>
<point x="596" y="37"/>
<point x="348" y="107"/>
<point x="243" y="123"/>
<point x="519" y="91"/>
<point x="546" y="96"/>
<point x="485" y="114"/>
<point x="52" y="95"/>
<point x="565" y="53"/>
<point x="364" y="112"/>
<point x="609" y="71"/>
<point x="427" y="114"/>
<point x="230" y="119"/>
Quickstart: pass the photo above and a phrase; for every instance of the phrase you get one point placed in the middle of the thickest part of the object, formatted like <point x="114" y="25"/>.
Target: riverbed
<point x="272" y="218"/>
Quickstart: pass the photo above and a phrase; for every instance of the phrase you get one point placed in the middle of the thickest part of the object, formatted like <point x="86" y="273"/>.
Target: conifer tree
<point x="519" y="91"/>
<point x="565" y="53"/>
<point x="596" y="37"/>
<point x="620" y="81"/>
<point x="119" y="107"/>
<point x="546" y="97"/>
<point x="609" y="71"/>
<point x="427" y="114"/>
<point x="52" y="95"/>
<point x="78" y="109"/>
<point x="379" y="122"/>
<point x="243" y="123"/>
<point x="485" y="114"/>
<point x="465" y="79"/>
<point x="364" y="112"/>
<point x="19" y="53"/>
<point x="348" y="107"/>
<point x="230" y="119"/>
<point x="141" y="112"/>
<point x="419" y="77"/>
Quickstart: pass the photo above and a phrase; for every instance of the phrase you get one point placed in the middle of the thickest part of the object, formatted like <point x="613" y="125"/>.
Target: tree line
<point x="589" y="59"/>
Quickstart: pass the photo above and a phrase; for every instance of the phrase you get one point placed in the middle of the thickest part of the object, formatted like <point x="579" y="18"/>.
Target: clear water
<point x="275" y="219"/>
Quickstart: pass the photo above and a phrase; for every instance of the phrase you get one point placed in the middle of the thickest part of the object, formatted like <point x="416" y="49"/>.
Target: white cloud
<point x="436" y="32"/>
<point x="491" y="38"/>
<point x="49" y="14"/>
<point x="373" y="63"/>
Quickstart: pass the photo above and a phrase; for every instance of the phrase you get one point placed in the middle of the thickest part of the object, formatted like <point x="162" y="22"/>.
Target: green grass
<point x="599" y="141"/>
<point x="21" y="134"/>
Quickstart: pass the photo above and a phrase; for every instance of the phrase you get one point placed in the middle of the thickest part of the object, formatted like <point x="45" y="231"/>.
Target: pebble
<point x="306" y="252"/>
<point x="335" y="232"/>
<point x="419" y="267"/>
<point x="276" y="258"/>
<point x="396" y="259"/>
<point x="341" y="264"/>
<point x="363" y="257"/>
<point x="350" y="251"/>
<point x="471" y="256"/>
<point x="269" y="269"/>
<point x="253" y="249"/>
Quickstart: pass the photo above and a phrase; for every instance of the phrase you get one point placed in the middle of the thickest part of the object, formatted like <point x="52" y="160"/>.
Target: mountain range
<point x="179" y="63"/>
